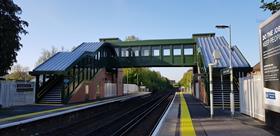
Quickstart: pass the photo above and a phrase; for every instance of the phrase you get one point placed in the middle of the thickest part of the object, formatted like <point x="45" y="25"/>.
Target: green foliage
<point x="131" y="38"/>
<point x="19" y="73"/>
<point x="151" y="79"/>
<point x="11" y="26"/>
<point x="273" y="6"/>
<point x="187" y="79"/>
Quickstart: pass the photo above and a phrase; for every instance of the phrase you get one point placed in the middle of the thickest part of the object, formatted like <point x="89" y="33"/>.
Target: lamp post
<point x="230" y="68"/>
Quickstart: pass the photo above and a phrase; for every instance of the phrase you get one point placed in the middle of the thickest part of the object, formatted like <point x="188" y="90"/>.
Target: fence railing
<point x="252" y="97"/>
<point x="13" y="93"/>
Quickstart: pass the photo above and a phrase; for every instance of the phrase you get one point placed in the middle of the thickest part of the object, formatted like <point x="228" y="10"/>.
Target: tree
<point x="187" y="79"/>
<point x="131" y="38"/>
<point x="273" y="6"/>
<point x="19" y="73"/>
<point x="151" y="79"/>
<point x="46" y="54"/>
<point x="11" y="26"/>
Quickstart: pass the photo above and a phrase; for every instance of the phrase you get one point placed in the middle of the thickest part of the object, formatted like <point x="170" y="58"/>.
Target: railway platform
<point x="187" y="116"/>
<point x="25" y="114"/>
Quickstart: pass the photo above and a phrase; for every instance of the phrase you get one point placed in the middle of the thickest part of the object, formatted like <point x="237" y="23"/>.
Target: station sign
<point x="270" y="61"/>
<point x="24" y="86"/>
<point x="225" y="71"/>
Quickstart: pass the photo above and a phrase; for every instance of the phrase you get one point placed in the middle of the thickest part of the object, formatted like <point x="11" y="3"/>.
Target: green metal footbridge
<point x="59" y="76"/>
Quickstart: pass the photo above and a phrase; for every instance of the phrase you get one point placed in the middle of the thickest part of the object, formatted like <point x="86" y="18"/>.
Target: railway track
<point x="127" y="123"/>
<point x="145" y="123"/>
<point x="131" y="118"/>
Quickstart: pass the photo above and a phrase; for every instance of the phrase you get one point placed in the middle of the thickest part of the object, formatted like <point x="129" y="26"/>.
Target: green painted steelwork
<point x="152" y="42"/>
<point x="155" y="53"/>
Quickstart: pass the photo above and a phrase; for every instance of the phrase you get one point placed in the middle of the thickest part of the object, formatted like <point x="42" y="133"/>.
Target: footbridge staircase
<point x="221" y="79"/>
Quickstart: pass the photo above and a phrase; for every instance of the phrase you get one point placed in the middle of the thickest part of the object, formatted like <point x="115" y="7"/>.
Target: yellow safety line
<point x="186" y="126"/>
<point x="44" y="112"/>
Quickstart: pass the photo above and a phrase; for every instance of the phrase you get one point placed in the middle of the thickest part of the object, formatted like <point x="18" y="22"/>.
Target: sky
<point x="68" y="23"/>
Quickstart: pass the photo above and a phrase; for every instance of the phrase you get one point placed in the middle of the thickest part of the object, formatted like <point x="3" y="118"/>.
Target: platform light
<point x="230" y="67"/>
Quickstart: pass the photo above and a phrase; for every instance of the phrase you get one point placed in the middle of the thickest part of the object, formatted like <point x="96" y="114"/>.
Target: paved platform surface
<point x="22" y="114"/>
<point x="222" y="124"/>
<point x="171" y="124"/>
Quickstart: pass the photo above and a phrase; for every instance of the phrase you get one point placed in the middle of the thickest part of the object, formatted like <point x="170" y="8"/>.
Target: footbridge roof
<point x="208" y="44"/>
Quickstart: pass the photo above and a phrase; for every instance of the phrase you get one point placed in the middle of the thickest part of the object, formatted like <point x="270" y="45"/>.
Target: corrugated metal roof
<point x="89" y="47"/>
<point x="209" y="44"/>
<point x="62" y="60"/>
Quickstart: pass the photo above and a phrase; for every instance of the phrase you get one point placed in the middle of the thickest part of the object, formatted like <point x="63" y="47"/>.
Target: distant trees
<point x="144" y="76"/>
<point x="19" y="73"/>
<point x="46" y="54"/>
<point x="11" y="26"/>
<point x="273" y="6"/>
<point x="131" y="38"/>
<point x="187" y="79"/>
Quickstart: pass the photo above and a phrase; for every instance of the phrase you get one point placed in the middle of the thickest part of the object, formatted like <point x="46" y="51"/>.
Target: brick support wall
<point x="96" y="86"/>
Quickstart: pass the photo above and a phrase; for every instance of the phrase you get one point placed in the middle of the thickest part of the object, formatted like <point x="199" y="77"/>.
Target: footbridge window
<point x="124" y="52"/>
<point x="117" y="51"/>
<point x="166" y="52"/>
<point x="177" y="52"/>
<point x="156" y="51"/>
<point x="105" y="54"/>
<point x="135" y="52"/>
<point x="98" y="55"/>
<point x="188" y="49"/>
<point x="145" y="51"/>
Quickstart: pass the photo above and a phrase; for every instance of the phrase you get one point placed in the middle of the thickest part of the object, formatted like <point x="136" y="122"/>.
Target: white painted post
<point x="222" y="88"/>
<point x="216" y="56"/>
<point x="211" y="90"/>
<point x="231" y="93"/>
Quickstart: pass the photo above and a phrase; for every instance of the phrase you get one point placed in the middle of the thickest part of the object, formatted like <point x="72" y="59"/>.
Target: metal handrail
<point x="43" y="89"/>
<point x="69" y="89"/>
<point x="71" y="83"/>
<point x="236" y="82"/>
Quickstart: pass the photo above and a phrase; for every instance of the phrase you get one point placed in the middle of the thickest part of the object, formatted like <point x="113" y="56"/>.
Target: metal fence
<point x="252" y="97"/>
<point x="16" y="93"/>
